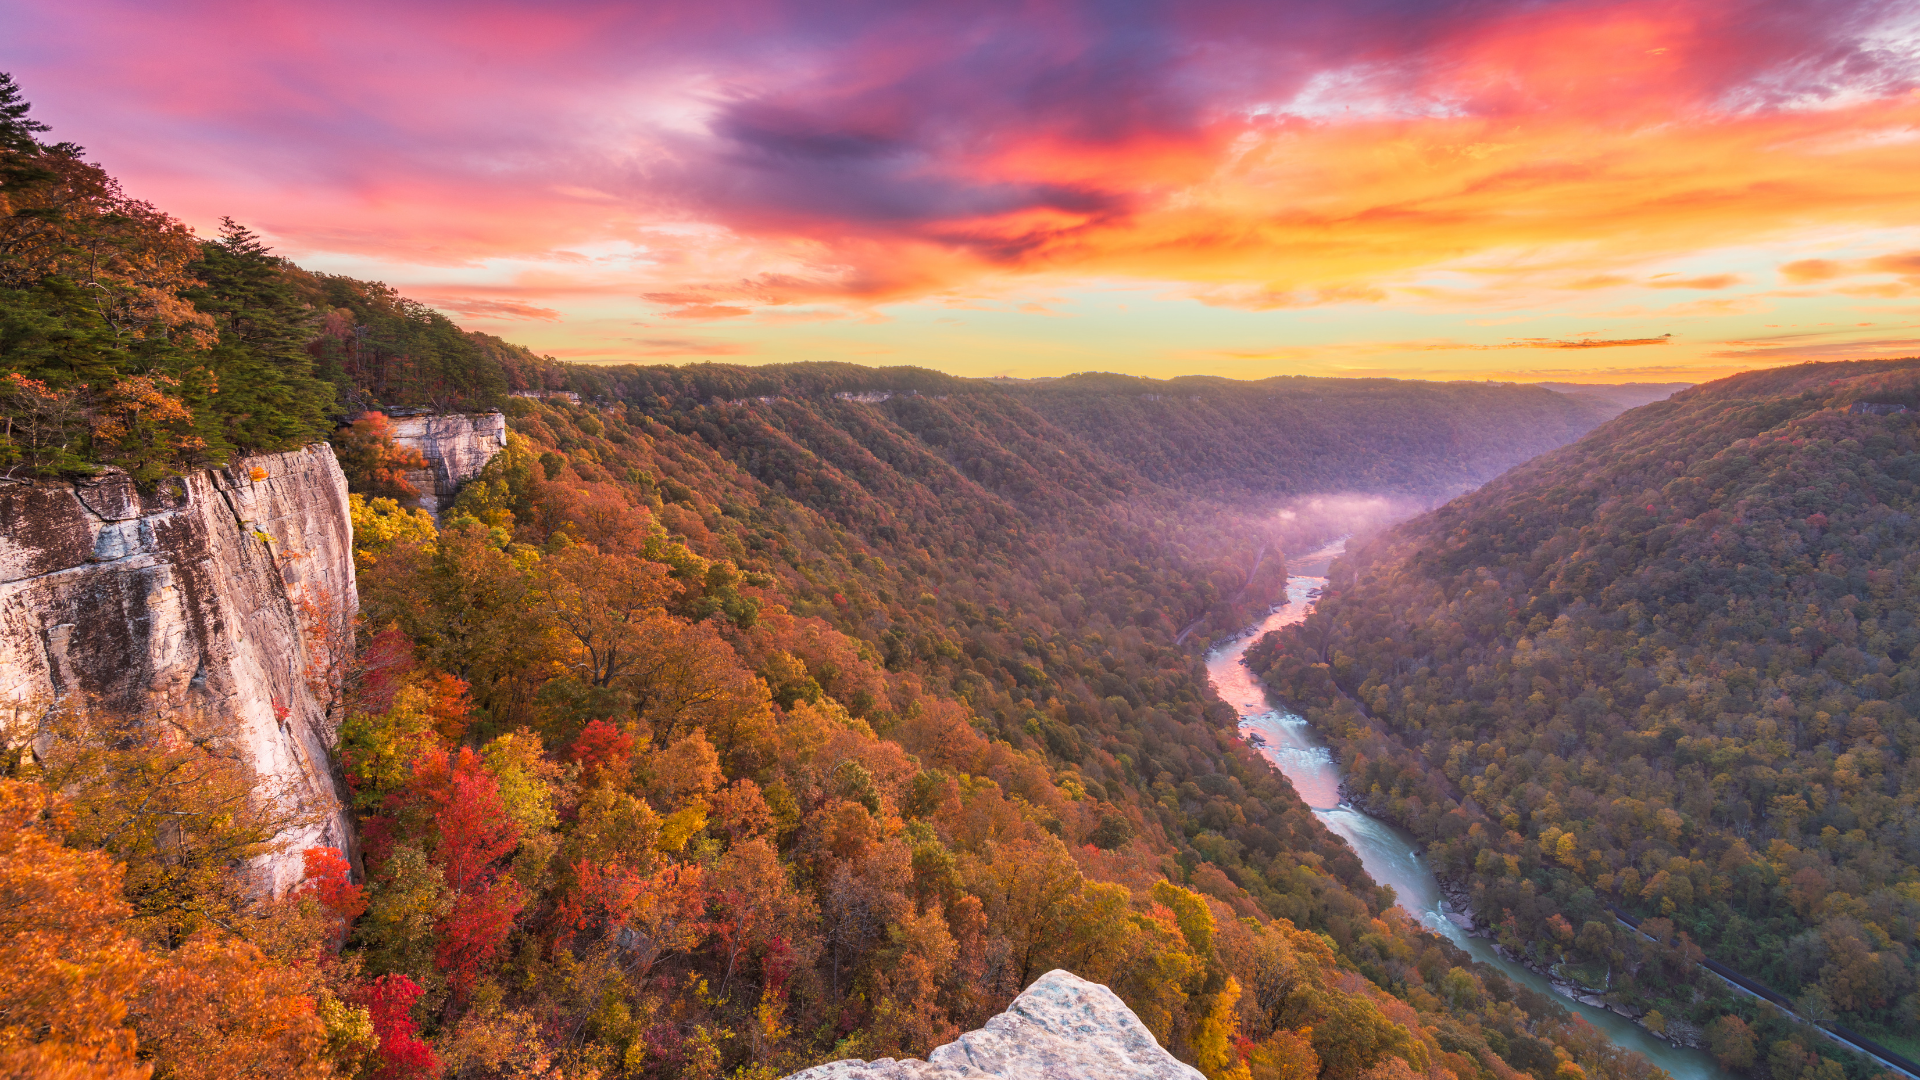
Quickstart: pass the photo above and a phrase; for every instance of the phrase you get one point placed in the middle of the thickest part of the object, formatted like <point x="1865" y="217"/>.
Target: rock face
<point x="457" y="446"/>
<point x="229" y="593"/>
<point x="1062" y="1028"/>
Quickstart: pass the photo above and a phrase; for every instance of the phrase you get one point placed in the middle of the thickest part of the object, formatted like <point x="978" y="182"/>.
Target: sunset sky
<point x="1659" y="191"/>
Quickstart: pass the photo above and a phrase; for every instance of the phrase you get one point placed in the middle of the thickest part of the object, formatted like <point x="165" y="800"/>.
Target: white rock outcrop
<point x="456" y="445"/>
<point x="229" y="592"/>
<point x="1062" y="1028"/>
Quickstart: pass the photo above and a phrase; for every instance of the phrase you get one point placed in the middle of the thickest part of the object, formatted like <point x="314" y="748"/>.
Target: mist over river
<point x="1389" y="855"/>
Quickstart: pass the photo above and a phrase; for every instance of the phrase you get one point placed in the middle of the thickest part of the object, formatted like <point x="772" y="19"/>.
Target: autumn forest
<point x="738" y="719"/>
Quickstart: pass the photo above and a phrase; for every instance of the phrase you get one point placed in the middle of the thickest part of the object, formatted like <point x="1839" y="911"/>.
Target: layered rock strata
<point x="457" y="446"/>
<point x="228" y="594"/>
<point x="1062" y="1028"/>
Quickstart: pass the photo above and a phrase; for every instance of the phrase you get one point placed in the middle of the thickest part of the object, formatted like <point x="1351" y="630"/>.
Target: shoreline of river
<point x="1459" y="911"/>
<point x="1389" y="852"/>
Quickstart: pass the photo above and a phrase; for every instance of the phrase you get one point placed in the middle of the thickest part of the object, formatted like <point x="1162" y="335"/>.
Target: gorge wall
<point x="456" y="445"/>
<point x="229" y="592"/>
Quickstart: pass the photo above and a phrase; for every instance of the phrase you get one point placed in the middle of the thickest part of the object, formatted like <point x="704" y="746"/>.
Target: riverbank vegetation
<point x="1670" y="667"/>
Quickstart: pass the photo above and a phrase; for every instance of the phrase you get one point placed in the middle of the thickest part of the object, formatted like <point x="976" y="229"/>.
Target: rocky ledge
<point x="227" y="593"/>
<point x="1062" y="1028"/>
<point x="456" y="445"/>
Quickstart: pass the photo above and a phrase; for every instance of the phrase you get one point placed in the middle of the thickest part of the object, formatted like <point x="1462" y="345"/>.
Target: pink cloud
<point x="751" y="154"/>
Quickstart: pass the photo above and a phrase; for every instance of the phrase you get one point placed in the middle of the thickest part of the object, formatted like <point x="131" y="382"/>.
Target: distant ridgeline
<point x="1263" y="439"/>
<point x="1673" y="667"/>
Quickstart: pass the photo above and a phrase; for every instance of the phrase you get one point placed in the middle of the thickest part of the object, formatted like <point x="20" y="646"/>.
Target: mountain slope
<point x="1065" y="768"/>
<point x="1293" y="435"/>
<point x="1671" y="666"/>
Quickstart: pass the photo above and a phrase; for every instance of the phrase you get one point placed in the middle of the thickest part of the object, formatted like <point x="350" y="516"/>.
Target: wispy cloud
<point x="492" y="309"/>
<point x="668" y="347"/>
<point x="1858" y="349"/>
<point x="1553" y="343"/>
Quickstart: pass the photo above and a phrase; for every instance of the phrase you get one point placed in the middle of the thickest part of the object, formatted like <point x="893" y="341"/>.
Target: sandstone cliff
<point x="1061" y="1028"/>
<point x="457" y="446"/>
<point x="229" y="591"/>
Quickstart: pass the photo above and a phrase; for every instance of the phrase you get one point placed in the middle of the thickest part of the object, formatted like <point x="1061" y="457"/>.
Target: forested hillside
<point x="1670" y="667"/>
<point x="1294" y="435"/>
<point x="706" y="736"/>
<point x="1223" y="438"/>
<point x="127" y="341"/>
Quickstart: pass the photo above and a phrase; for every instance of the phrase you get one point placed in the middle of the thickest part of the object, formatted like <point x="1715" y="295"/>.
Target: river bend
<point x="1390" y="856"/>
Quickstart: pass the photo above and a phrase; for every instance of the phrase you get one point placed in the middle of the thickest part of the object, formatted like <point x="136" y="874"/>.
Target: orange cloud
<point x="1712" y="281"/>
<point x="1805" y="271"/>
<point x="492" y="309"/>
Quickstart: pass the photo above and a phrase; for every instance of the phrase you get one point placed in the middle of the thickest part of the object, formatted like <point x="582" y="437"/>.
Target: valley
<point x="387" y="700"/>
<point x="1391" y="856"/>
<point x="1642" y="671"/>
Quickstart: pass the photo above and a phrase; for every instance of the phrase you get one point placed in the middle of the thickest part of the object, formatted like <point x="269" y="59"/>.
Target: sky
<point x="1657" y="190"/>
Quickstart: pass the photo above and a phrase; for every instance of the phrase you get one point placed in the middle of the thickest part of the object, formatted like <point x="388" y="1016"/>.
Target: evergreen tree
<point x="17" y="132"/>
<point x="268" y="396"/>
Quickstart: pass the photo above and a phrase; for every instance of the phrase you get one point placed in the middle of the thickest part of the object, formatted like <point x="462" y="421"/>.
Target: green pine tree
<point x="268" y="396"/>
<point x="17" y="133"/>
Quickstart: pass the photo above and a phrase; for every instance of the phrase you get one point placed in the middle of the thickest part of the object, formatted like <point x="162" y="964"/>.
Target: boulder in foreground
<point x="1062" y="1028"/>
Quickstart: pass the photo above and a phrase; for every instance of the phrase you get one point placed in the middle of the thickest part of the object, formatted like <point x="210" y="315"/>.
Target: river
<point x="1389" y="855"/>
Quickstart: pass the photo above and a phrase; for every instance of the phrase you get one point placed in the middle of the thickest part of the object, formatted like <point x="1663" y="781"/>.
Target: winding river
<point x="1389" y="855"/>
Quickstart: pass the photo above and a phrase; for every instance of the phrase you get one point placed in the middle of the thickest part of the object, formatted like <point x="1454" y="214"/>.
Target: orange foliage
<point x="218" y="1010"/>
<point x="374" y="465"/>
<point x="67" y="967"/>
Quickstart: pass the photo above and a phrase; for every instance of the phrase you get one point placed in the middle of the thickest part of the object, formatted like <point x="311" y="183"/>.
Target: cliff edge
<point x="456" y="445"/>
<point x="1062" y="1028"/>
<point x="230" y="592"/>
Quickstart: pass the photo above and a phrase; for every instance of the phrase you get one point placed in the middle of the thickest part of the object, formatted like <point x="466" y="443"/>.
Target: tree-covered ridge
<point x="1296" y="435"/>
<point x="382" y="350"/>
<point x="123" y="339"/>
<point x="1671" y="667"/>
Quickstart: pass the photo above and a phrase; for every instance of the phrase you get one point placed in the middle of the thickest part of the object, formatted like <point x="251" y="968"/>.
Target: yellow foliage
<point x="1190" y="909"/>
<point x="1212" y="1038"/>
<point x="381" y="524"/>
<point x="520" y="767"/>
<point x="1567" y="850"/>
<point x="681" y="826"/>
